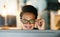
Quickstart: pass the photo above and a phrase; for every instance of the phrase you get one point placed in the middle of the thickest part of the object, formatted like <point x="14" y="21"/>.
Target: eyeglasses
<point x="24" y="21"/>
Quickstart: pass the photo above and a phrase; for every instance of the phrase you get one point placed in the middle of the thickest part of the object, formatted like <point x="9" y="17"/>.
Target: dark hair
<point x="28" y="9"/>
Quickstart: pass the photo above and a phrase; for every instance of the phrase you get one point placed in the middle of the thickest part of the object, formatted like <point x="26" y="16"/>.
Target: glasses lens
<point x="32" y="21"/>
<point x="24" y="21"/>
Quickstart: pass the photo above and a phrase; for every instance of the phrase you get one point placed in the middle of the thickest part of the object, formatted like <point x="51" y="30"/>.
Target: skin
<point x="29" y="26"/>
<point x="28" y="16"/>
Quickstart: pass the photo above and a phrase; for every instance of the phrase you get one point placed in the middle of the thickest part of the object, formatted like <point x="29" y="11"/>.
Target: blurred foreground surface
<point x="29" y="33"/>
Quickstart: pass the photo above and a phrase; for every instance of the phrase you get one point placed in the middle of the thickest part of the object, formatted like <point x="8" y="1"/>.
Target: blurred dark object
<point x="52" y="1"/>
<point x="2" y="21"/>
<point x="53" y="5"/>
<point x="11" y="21"/>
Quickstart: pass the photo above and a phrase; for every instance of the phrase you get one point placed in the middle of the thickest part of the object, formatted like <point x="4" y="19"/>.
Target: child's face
<point x="28" y="20"/>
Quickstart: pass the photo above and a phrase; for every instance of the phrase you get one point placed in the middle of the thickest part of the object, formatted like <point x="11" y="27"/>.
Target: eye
<point x="32" y="21"/>
<point x="24" y="21"/>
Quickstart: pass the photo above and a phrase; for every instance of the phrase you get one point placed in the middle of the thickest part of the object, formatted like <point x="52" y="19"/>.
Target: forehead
<point x="28" y="16"/>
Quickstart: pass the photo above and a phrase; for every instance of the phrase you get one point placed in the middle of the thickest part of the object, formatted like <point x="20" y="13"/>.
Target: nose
<point x="28" y="23"/>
